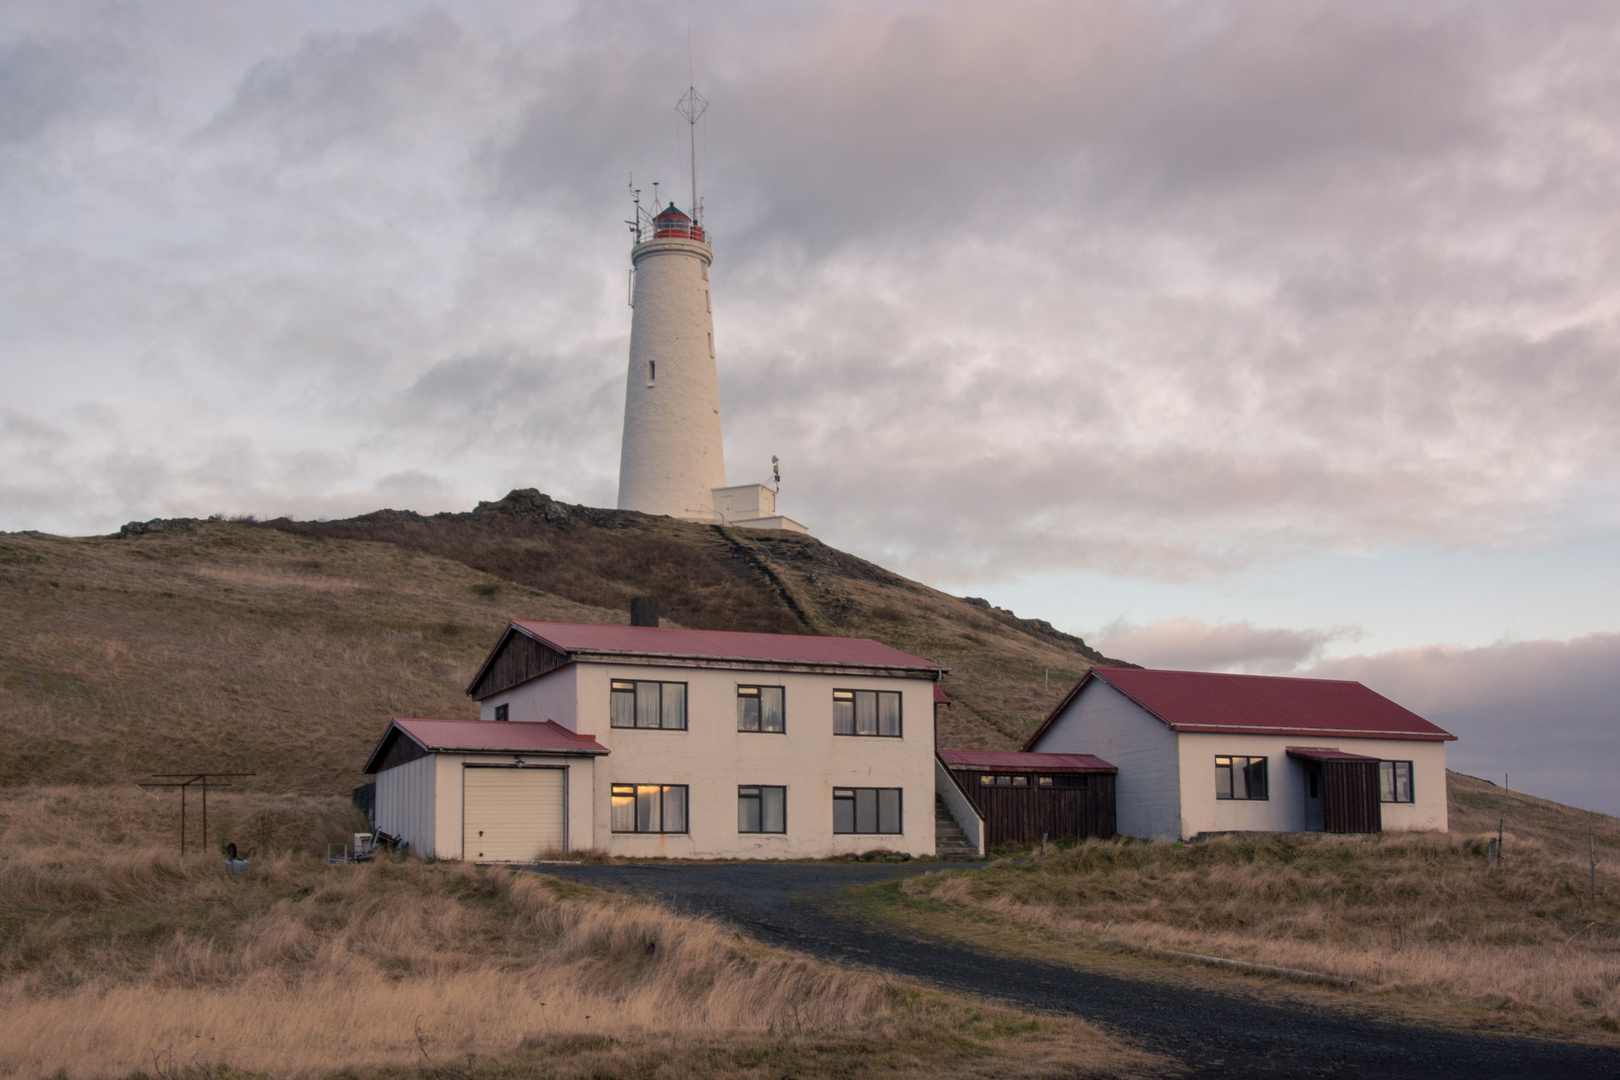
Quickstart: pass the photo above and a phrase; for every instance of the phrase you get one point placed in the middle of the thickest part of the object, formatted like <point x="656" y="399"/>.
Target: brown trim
<point x="518" y="657"/>
<point x="385" y="755"/>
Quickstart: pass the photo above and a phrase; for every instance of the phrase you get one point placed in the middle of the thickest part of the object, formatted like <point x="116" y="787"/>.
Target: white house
<point x="1199" y="752"/>
<point x="650" y="741"/>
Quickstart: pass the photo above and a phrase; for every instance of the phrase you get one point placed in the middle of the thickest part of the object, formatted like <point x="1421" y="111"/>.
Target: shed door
<point x="512" y="814"/>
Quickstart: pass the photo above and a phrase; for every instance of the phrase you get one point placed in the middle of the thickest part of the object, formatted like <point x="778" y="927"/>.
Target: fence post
<point x="1591" y="841"/>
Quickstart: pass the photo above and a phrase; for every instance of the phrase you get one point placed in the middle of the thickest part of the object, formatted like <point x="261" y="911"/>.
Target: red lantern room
<point x="672" y="224"/>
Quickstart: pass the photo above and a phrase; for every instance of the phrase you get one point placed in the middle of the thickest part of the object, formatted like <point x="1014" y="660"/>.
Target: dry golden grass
<point x="1414" y="916"/>
<point x="235" y="648"/>
<point x="117" y="958"/>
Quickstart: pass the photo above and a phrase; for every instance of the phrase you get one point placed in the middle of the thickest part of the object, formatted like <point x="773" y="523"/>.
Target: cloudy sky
<point x="1275" y="337"/>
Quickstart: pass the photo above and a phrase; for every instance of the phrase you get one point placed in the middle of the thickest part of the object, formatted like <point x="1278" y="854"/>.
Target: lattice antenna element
<point x="776" y="474"/>
<point x="638" y="213"/>
<point x="692" y="106"/>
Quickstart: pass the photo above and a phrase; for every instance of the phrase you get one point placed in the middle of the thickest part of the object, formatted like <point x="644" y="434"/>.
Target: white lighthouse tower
<point x="671" y="460"/>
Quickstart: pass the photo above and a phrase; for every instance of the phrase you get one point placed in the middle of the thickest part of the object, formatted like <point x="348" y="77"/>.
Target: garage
<point x="513" y="813"/>
<point x="484" y="790"/>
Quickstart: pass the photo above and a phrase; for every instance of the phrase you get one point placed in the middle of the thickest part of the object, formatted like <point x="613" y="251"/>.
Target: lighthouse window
<point x="705" y="271"/>
<point x="711" y="344"/>
<point x="652" y="371"/>
<point x="706" y="306"/>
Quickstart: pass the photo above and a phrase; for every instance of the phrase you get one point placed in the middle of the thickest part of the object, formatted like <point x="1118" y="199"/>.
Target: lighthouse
<point x="671" y="461"/>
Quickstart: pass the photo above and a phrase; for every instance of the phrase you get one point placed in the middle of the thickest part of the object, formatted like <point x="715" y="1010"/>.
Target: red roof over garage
<point x="486" y="737"/>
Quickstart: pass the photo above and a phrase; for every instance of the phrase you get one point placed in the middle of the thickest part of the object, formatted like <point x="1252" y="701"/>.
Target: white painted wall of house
<point x="1284" y="810"/>
<point x="712" y="758"/>
<point x="554" y="696"/>
<point x="1102" y="721"/>
<point x="671" y="460"/>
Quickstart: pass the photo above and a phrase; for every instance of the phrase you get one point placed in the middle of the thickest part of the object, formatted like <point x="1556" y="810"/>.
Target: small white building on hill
<point x="1199" y="753"/>
<point x="650" y="741"/>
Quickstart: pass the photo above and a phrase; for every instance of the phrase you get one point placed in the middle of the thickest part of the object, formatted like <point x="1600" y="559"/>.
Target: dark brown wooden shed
<point x="1341" y="790"/>
<point x="1024" y="796"/>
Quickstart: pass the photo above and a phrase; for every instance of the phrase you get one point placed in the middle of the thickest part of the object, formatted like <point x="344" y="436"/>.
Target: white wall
<point x="422" y="800"/>
<point x="553" y="696"/>
<point x="1284" y="810"/>
<point x="742" y="502"/>
<point x="1104" y="722"/>
<point x="713" y="758"/>
<point x="405" y="803"/>
<point x="671" y="461"/>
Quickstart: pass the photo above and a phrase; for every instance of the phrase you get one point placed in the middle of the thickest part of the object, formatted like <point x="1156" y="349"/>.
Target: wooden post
<point x="1499" y="837"/>
<point x="1591" y="840"/>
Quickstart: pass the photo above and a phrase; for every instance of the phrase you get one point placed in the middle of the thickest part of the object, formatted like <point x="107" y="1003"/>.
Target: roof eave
<point x="1340" y="733"/>
<point x="393" y="725"/>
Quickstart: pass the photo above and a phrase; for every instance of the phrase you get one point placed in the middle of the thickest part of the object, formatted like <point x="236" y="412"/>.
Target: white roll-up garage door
<point x="513" y="814"/>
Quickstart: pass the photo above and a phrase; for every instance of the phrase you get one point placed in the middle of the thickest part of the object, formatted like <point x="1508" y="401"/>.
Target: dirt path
<point x="1216" y="1034"/>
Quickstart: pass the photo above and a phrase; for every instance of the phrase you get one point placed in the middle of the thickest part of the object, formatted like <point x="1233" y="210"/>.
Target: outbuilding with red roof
<point x="1202" y="752"/>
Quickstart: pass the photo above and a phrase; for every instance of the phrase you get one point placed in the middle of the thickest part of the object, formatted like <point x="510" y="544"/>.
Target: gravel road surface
<point x="1216" y="1034"/>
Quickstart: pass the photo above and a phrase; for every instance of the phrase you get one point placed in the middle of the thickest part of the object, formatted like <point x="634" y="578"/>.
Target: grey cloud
<point x="1188" y="644"/>
<point x="38" y="87"/>
<point x="1543" y="712"/>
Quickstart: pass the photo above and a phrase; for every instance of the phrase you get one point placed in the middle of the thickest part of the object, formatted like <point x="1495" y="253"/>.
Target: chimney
<point x="644" y="611"/>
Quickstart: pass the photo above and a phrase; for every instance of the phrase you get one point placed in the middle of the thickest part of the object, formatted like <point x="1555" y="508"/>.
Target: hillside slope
<point x="282" y="648"/>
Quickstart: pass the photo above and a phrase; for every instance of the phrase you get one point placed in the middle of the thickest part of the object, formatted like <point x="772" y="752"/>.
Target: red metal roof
<point x="1195" y="701"/>
<point x="503" y="736"/>
<point x="939" y="695"/>
<point x="1024" y="761"/>
<point x="584" y="639"/>
<point x="1324" y="753"/>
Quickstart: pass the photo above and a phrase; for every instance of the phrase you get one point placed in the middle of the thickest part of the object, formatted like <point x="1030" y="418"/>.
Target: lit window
<point x="649" y="808"/>
<point x="645" y="704"/>
<point x="1240" y="778"/>
<point x="1063" y="780"/>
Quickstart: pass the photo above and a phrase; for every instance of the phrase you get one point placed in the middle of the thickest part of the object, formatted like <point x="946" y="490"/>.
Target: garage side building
<point x="1200" y="752"/>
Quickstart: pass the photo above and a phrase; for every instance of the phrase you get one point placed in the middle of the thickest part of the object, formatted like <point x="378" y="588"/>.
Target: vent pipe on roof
<point x="644" y="611"/>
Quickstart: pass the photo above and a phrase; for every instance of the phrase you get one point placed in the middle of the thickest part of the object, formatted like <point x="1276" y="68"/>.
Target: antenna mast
<point x="692" y="105"/>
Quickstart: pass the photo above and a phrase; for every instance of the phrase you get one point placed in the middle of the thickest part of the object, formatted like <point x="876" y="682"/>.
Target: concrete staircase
<point x="950" y="842"/>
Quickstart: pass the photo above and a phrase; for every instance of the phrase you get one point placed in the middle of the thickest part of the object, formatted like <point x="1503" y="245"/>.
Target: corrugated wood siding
<point x="513" y="814"/>
<point x="1350" y="799"/>
<point x="1014" y="815"/>
<point x="520" y="659"/>
<point x="405" y="803"/>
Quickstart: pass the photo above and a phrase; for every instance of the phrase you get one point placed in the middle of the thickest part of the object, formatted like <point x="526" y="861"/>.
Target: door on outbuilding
<point x="513" y="813"/>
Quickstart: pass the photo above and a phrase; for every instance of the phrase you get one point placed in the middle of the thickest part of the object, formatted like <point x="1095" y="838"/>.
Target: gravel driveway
<point x="1216" y="1034"/>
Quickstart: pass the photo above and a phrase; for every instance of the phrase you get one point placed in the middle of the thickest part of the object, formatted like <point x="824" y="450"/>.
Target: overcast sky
<point x="1272" y="337"/>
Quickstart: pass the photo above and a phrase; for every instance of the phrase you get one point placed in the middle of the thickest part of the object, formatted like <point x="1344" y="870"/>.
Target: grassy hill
<point x="283" y="647"/>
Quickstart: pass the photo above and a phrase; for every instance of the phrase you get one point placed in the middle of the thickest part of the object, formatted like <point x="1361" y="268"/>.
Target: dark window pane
<point x="888" y="713"/>
<point x="748" y="810"/>
<point x="675" y="705"/>
<point x="773" y="809"/>
<point x="1256" y="776"/>
<point x="647" y="695"/>
<point x="1403" y="781"/>
<point x="748" y="712"/>
<point x="888" y="810"/>
<point x="866" y="810"/>
<point x="865" y="712"/>
<point x="1223" y="778"/>
<point x="1386" y="781"/>
<point x="771" y="717"/>
<point x="843" y="810"/>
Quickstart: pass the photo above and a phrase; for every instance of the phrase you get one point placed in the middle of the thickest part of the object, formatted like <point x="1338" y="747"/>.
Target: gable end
<point x="517" y="659"/>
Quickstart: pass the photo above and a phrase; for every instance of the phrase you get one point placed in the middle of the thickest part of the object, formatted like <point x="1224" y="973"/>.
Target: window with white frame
<point x="760" y="708"/>
<point x="649" y="808"/>
<point x="1395" y="781"/>
<point x="866" y="810"/>
<point x="1240" y="778"/>
<point x="761" y="808"/>
<point x="866" y="712"/>
<point x="645" y="704"/>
